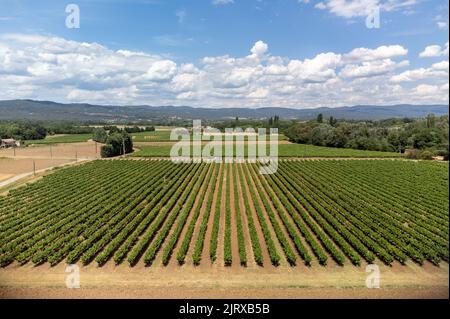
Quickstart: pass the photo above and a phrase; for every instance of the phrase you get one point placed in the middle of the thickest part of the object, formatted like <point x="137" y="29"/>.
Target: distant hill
<point x="45" y="110"/>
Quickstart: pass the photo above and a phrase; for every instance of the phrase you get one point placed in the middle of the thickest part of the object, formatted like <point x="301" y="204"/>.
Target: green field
<point x="156" y="136"/>
<point x="285" y="150"/>
<point x="321" y="212"/>
<point x="69" y="138"/>
<point x="164" y="136"/>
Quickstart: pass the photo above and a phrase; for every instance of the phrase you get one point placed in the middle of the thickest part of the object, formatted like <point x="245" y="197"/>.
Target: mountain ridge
<point x="86" y="112"/>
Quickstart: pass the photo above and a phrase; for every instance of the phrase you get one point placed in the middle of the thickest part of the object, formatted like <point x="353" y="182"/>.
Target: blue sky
<point x="185" y="32"/>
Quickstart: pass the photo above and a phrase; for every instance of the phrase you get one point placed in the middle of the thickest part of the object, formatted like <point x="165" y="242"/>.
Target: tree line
<point x="27" y="130"/>
<point x="427" y="137"/>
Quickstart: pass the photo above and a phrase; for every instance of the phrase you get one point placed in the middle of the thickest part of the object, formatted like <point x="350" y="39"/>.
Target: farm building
<point x="9" y="142"/>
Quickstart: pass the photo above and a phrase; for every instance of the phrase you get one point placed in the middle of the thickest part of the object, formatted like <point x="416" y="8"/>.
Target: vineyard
<point x="311" y="212"/>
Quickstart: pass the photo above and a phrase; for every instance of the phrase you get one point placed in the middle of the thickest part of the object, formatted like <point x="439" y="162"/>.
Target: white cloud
<point x="425" y="89"/>
<point x="382" y="52"/>
<point x="434" y="51"/>
<point x="371" y="68"/>
<point x="443" y="25"/>
<point x="161" y="70"/>
<point x="319" y="69"/>
<point x="53" y="68"/>
<point x="360" y="8"/>
<point x="443" y="65"/>
<point x="442" y="20"/>
<point x="259" y="93"/>
<point x="222" y="2"/>
<point x="436" y="72"/>
<point x="259" y="49"/>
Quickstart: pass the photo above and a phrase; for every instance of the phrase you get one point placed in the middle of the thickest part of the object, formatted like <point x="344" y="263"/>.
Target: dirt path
<point x="190" y="282"/>
<point x="227" y="293"/>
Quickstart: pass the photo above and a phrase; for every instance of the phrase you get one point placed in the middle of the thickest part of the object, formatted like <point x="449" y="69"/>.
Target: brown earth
<point x="410" y="281"/>
<point x="10" y="167"/>
<point x="58" y="151"/>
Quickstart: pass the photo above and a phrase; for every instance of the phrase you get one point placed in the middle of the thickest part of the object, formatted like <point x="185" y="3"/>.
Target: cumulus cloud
<point x="161" y="70"/>
<point x="437" y="71"/>
<point x="371" y="68"/>
<point x="259" y="49"/>
<point x="382" y="52"/>
<point x="434" y="51"/>
<point x="53" y="68"/>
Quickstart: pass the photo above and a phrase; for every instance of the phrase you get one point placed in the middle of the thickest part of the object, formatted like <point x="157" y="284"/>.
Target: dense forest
<point x="428" y="137"/>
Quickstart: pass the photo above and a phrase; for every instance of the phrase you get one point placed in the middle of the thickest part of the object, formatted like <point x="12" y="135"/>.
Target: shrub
<point x="426" y="155"/>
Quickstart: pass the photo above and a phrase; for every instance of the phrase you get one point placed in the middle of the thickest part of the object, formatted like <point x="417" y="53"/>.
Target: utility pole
<point x="34" y="168"/>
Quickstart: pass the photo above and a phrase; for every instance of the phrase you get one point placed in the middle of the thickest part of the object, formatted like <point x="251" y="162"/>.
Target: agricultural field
<point x="87" y="150"/>
<point x="314" y="213"/>
<point x="162" y="134"/>
<point x="284" y="150"/>
<point x="61" y="138"/>
<point x="155" y="136"/>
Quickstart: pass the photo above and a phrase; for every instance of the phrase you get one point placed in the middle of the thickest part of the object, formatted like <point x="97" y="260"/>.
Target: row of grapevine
<point x="314" y="211"/>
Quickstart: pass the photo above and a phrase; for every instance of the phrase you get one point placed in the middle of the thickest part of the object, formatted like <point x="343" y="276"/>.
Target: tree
<point x="276" y="120"/>
<point x="431" y="120"/>
<point x="100" y="135"/>
<point x="332" y="121"/>
<point x="320" y="118"/>
<point x="116" y="144"/>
